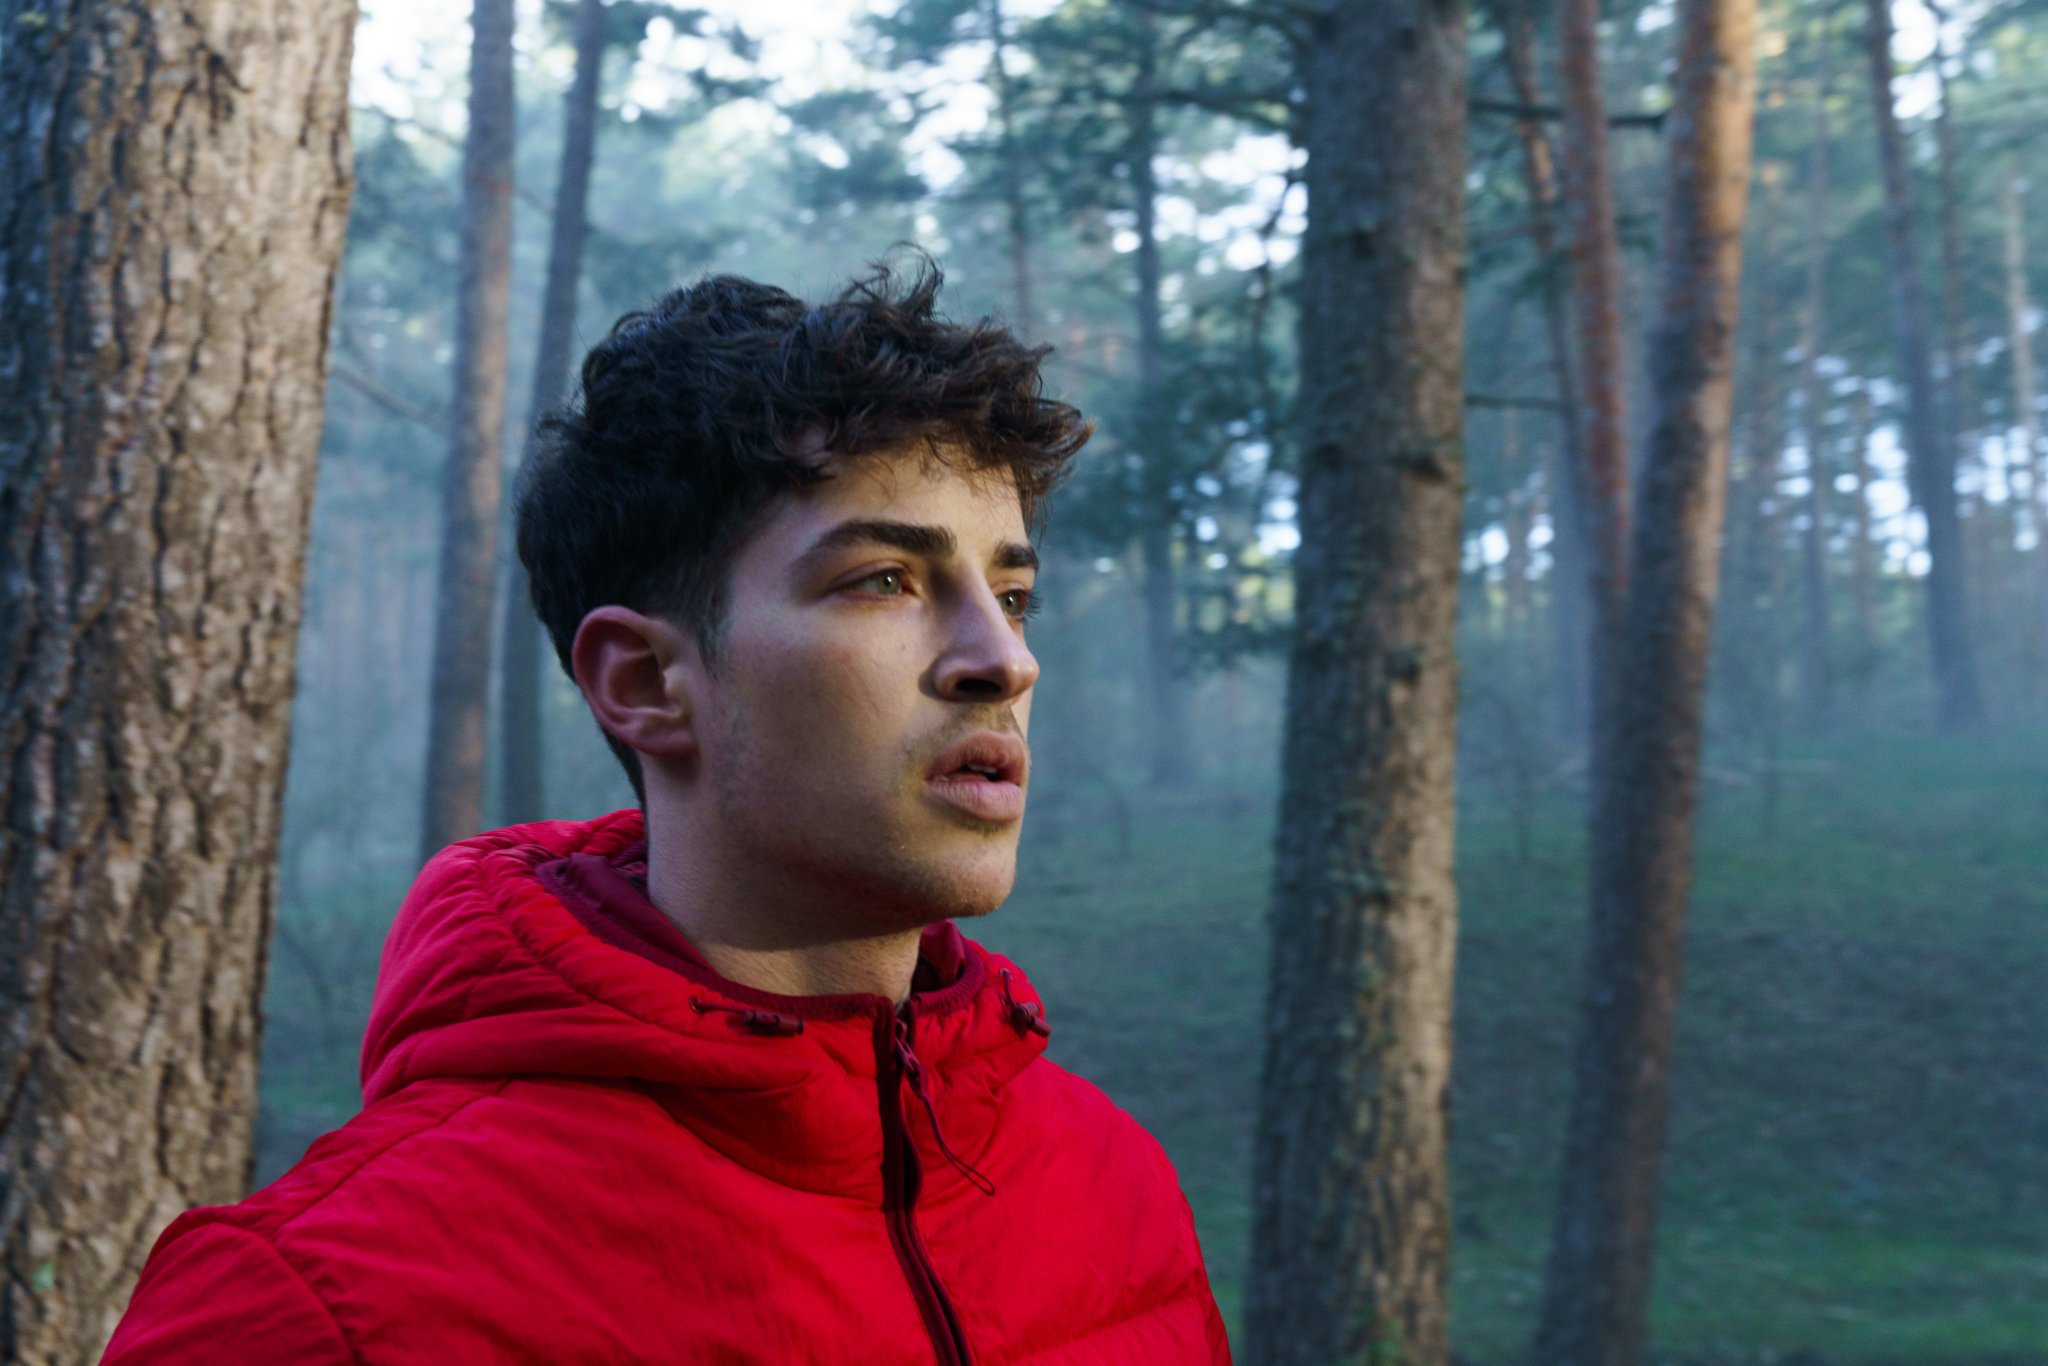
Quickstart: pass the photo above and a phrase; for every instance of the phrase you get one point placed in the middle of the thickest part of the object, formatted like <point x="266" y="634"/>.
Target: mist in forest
<point x="1851" y="1166"/>
<point x="1855" y="1099"/>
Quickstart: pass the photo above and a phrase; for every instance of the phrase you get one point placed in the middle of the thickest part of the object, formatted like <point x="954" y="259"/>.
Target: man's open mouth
<point x="984" y="757"/>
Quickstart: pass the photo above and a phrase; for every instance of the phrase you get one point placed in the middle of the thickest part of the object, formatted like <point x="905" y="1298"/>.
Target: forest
<point x="1542" y="748"/>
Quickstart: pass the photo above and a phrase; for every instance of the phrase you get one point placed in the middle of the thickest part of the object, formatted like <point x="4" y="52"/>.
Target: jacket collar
<point x="490" y="970"/>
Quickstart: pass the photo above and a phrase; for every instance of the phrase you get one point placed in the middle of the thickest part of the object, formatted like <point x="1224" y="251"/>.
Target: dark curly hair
<point x="696" y="412"/>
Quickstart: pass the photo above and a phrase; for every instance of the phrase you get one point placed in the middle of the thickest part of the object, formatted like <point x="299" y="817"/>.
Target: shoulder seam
<point x="282" y="1223"/>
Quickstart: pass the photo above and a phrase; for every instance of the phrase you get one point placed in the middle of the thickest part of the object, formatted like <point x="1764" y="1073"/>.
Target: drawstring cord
<point x="914" y="1071"/>
<point x="1024" y="1015"/>
<point x="759" y="1021"/>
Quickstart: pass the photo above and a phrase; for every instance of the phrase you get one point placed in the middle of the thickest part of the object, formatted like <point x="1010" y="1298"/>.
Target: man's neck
<point x="773" y="937"/>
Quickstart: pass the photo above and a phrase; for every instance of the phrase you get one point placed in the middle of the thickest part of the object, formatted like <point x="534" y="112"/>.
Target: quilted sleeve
<point x="220" y="1295"/>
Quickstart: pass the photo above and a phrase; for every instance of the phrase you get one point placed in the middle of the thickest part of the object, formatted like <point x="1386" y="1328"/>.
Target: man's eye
<point x="1020" y="603"/>
<point x="887" y="582"/>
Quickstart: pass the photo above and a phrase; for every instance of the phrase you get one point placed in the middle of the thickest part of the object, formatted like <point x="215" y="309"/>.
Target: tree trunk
<point x="1350" y="1227"/>
<point x="1863" y="557"/>
<point x="174" y="183"/>
<point x="1981" y="538"/>
<point x="1571" y="519"/>
<point x="471" y="480"/>
<point x="1955" y="371"/>
<point x="1168" y="731"/>
<point x="1930" y="456"/>
<point x="520" y="726"/>
<point x="1514" y="516"/>
<point x="1016" y="209"/>
<point x="1595" y="247"/>
<point x="2031" y="456"/>
<point x="1757" y="532"/>
<point x="1815" y="669"/>
<point x="1598" y="1282"/>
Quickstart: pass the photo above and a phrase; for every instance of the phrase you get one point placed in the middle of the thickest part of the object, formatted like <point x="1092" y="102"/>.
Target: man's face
<point x="863" y="722"/>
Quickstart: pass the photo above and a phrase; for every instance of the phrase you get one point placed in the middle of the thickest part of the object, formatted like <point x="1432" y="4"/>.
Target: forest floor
<point x="1858" y="1170"/>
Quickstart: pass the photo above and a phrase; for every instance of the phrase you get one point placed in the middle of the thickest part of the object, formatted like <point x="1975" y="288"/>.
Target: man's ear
<point x="636" y="672"/>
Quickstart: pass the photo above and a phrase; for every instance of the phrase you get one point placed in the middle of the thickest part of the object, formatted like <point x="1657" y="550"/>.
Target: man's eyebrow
<point x="916" y="538"/>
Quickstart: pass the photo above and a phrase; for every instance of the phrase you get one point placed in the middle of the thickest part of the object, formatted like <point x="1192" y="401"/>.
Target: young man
<point x="717" y="1079"/>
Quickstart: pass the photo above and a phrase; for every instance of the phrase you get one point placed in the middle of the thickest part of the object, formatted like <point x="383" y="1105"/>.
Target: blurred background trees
<point x="1852" y="1100"/>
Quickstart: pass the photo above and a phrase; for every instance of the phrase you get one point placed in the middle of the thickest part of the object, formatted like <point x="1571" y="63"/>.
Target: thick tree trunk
<point x="1570" y="578"/>
<point x="1168" y="735"/>
<point x="520" y="727"/>
<point x="1930" y="455"/>
<point x="472" y="479"/>
<point x="1350" y="1227"/>
<point x="1598" y="1282"/>
<point x="174" y="183"/>
<point x="1815" y="668"/>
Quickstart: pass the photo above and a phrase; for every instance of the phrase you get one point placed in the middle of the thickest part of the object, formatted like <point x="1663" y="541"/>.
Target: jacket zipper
<point x="901" y="1178"/>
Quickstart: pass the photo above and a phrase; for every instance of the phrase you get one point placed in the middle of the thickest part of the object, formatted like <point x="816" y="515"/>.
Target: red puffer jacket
<point x="580" y="1144"/>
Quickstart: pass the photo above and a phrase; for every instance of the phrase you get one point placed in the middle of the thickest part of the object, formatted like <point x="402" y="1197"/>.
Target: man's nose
<point x="986" y="659"/>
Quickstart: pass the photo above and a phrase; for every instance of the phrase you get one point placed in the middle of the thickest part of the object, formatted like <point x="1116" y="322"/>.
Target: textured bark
<point x="1930" y="456"/>
<point x="520" y="729"/>
<point x="1595" y="247"/>
<point x="1598" y="1279"/>
<point x="174" y="185"/>
<point x="1350" y="1229"/>
<point x="1168" y="737"/>
<point x="1571" y="687"/>
<point x="472" y="479"/>
<point x="1815" y="669"/>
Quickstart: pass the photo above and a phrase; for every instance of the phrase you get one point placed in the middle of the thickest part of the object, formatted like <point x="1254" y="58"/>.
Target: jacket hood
<point x="488" y="973"/>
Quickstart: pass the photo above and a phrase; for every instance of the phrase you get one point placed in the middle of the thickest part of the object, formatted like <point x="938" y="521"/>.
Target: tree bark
<point x="1571" y="519"/>
<point x="1598" y="1281"/>
<point x="521" y="731"/>
<point x="473" y="475"/>
<point x="1350" y="1228"/>
<point x="1930" y="456"/>
<point x="1815" y="668"/>
<point x="1168" y="733"/>
<point x="1595" y="248"/>
<point x="174" y="183"/>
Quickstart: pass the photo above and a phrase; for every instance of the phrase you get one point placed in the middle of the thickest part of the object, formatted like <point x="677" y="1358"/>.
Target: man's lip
<point x="1006" y="754"/>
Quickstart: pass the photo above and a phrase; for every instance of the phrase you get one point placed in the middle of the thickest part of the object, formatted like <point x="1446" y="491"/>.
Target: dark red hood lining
<point x="608" y="902"/>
